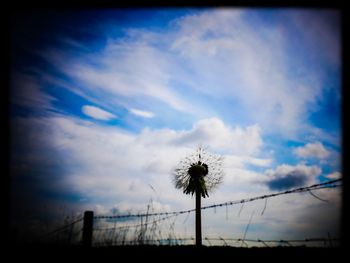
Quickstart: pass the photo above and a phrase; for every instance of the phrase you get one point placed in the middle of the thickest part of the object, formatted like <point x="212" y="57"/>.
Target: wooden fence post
<point x="87" y="228"/>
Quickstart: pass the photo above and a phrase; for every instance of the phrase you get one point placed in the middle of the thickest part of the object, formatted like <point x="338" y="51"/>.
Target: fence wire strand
<point x="142" y="228"/>
<point x="328" y="184"/>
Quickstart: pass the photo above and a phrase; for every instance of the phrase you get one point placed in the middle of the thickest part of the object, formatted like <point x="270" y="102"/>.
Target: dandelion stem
<point x="198" y="219"/>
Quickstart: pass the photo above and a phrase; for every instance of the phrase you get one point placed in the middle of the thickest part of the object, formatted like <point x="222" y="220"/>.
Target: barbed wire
<point x="167" y="215"/>
<point x="225" y="241"/>
<point x="276" y="240"/>
<point x="61" y="228"/>
<point x="328" y="184"/>
<point x="136" y="225"/>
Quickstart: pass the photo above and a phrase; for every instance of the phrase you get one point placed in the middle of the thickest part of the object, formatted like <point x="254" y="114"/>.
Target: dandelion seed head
<point x="199" y="164"/>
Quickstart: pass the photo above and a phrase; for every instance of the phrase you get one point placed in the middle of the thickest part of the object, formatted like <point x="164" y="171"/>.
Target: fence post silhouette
<point x="87" y="228"/>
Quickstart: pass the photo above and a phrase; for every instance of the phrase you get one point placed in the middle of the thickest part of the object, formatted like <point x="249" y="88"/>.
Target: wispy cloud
<point x="212" y="53"/>
<point x="116" y="72"/>
<point x="220" y="43"/>
<point x="141" y="113"/>
<point x="97" y="113"/>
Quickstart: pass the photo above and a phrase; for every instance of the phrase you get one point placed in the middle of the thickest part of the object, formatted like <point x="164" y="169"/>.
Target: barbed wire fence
<point x="148" y="228"/>
<point x="69" y="233"/>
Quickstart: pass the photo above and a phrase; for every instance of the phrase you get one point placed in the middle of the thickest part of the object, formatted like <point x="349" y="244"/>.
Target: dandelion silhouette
<point x="200" y="170"/>
<point x="199" y="173"/>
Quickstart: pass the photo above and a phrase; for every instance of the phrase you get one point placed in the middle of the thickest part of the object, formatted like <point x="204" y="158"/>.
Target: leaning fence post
<point x="87" y="228"/>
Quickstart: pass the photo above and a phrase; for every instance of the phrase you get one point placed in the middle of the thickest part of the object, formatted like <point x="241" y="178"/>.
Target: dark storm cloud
<point x="287" y="181"/>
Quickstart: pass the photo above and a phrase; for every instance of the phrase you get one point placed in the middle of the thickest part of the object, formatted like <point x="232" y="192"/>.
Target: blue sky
<point x="105" y="103"/>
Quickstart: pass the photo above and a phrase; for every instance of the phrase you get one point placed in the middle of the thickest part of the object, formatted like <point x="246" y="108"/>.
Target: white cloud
<point x="334" y="176"/>
<point x="141" y="113"/>
<point x="245" y="141"/>
<point x="117" y="165"/>
<point x="97" y="113"/>
<point x="110" y="168"/>
<point x="312" y="150"/>
<point x="212" y="132"/>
